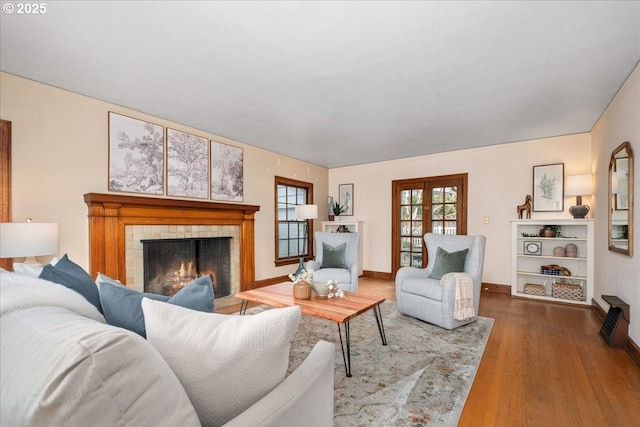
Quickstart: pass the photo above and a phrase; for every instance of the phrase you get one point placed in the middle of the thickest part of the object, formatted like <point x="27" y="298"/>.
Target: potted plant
<point x="337" y="209"/>
<point x="551" y="231"/>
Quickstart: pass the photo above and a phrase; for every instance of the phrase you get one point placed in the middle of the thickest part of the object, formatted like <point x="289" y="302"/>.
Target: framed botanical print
<point x="345" y="197"/>
<point x="548" y="188"/>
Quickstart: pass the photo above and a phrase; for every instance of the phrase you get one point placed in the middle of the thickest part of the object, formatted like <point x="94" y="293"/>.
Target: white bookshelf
<point x="526" y="267"/>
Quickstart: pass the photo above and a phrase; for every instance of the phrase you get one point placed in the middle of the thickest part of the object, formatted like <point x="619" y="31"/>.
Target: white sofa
<point x="61" y="364"/>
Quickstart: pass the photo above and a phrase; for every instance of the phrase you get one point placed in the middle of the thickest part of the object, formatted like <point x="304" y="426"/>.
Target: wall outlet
<point x="485" y="220"/>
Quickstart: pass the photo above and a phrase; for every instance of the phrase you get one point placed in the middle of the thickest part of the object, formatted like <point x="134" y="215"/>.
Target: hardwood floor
<point x="544" y="365"/>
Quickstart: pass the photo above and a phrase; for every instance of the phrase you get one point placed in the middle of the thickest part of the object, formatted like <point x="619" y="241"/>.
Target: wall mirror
<point x="621" y="200"/>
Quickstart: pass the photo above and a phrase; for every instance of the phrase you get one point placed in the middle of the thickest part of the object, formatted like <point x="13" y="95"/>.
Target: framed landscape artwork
<point x="345" y="197"/>
<point x="136" y="155"/>
<point x="187" y="165"/>
<point x="548" y="188"/>
<point x="226" y="172"/>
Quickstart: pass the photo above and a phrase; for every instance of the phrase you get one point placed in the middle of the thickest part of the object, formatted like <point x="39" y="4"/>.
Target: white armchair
<point x="425" y="298"/>
<point x="340" y="262"/>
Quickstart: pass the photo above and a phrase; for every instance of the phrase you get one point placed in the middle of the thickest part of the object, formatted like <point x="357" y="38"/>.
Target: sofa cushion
<point x="448" y="262"/>
<point x="122" y="308"/>
<point x="59" y="368"/>
<point x="333" y="257"/>
<point x="428" y="288"/>
<point x="225" y="363"/>
<point x="340" y="274"/>
<point x="71" y="275"/>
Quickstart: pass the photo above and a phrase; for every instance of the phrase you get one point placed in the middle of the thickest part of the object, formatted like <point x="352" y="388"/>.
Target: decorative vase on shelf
<point x="571" y="250"/>
<point x="331" y="217"/>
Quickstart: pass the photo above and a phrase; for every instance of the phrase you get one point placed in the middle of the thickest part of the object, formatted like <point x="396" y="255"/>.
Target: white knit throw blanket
<point x="464" y="295"/>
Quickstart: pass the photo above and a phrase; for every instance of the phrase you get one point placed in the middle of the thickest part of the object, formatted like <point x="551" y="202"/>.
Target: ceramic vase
<point x="571" y="250"/>
<point x="301" y="290"/>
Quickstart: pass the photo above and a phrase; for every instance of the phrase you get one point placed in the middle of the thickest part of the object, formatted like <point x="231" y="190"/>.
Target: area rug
<point x="421" y="378"/>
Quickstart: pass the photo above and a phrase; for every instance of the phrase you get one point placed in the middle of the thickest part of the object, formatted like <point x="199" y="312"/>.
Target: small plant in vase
<point x="337" y="209"/>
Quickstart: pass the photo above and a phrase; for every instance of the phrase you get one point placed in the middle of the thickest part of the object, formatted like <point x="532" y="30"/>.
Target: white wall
<point x="60" y="152"/>
<point x="618" y="274"/>
<point x="500" y="176"/>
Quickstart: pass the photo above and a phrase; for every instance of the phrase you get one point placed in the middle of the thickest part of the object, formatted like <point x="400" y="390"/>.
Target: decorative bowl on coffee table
<point x="321" y="288"/>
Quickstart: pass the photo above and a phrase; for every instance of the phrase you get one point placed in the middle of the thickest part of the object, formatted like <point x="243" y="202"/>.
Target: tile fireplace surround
<point x="134" y="234"/>
<point x="114" y="217"/>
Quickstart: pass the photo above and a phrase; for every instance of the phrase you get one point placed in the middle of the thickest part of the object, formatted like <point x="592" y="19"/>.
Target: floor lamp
<point x="304" y="212"/>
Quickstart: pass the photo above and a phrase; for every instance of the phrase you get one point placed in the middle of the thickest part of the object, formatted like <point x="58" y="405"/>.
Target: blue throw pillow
<point x="71" y="275"/>
<point x="333" y="257"/>
<point x="448" y="262"/>
<point x="122" y="306"/>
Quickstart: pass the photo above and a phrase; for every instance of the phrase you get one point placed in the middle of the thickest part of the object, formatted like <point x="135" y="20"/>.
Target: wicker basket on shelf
<point x="534" y="289"/>
<point x="567" y="291"/>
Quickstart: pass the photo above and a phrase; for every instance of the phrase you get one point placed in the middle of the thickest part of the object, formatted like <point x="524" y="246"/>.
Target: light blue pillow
<point x="333" y="257"/>
<point x="71" y="275"/>
<point x="122" y="306"/>
<point x="448" y="262"/>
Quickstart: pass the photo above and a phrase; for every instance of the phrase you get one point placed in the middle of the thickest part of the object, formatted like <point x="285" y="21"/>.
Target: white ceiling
<point x="339" y="83"/>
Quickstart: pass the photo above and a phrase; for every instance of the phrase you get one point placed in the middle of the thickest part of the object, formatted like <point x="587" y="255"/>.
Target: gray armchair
<point x="426" y="299"/>
<point x="336" y="265"/>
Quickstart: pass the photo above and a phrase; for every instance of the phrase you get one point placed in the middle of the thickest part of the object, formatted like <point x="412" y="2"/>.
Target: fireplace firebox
<point x="171" y="264"/>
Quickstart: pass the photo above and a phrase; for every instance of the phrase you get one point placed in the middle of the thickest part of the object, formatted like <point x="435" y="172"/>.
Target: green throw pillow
<point x="333" y="257"/>
<point x="448" y="262"/>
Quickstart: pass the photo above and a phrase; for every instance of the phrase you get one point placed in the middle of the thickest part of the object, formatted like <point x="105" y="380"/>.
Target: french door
<point x="425" y="205"/>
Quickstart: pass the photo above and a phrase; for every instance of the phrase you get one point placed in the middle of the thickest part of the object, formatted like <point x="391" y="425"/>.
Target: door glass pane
<point x="405" y="197"/>
<point x="405" y="213"/>
<point x="405" y="259"/>
<point x="416" y="228"/>
<point x="444" y="210"/>
<point x="416" y="197"/>
<point x="405" y="244"/>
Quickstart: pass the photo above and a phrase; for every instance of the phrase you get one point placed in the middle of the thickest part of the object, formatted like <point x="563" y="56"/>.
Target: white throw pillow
<point x="225" y="363"/>
<point x="27" y="269"/>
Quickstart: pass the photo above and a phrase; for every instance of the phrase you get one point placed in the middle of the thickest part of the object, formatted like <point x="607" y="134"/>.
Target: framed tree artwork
<point x="548" y="188"/>
<point x="187" y="165"/>
<point x="226" y="172"/>
<point x="136" y="155"/>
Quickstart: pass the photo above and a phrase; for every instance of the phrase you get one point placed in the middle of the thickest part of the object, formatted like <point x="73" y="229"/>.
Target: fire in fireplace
<point x="171" y="264"/>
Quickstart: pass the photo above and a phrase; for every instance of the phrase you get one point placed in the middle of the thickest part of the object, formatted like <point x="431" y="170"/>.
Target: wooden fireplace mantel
<point x="109" y="214"/>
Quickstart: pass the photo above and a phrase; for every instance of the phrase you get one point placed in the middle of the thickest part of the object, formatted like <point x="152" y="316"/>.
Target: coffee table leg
<point x="376" y="311"/>
<point x="243" y="306"/>
<point x="346" y="358"/>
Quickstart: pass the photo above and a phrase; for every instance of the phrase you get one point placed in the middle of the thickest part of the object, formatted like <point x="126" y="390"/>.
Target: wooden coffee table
<point x="339" y="310"/>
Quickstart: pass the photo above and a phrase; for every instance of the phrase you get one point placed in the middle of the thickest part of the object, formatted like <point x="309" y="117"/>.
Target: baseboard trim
<point x="495" y="288"/>
<point x="631" y="347"/>
<point x="377" y="275"/>
<point x="270" y="281"/>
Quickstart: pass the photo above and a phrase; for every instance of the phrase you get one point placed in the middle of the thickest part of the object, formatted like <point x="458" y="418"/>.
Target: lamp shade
<point x="26" y="239"/>
<point x="578" y="185"/>
<point x="306" y="211"/>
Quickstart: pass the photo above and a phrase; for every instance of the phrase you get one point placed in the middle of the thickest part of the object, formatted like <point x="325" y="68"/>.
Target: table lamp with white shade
<point x="28" y="239"/>
<point x="578" y="185"/>
<point x="305" y="212"/>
